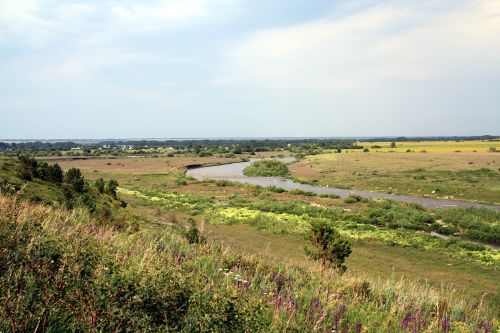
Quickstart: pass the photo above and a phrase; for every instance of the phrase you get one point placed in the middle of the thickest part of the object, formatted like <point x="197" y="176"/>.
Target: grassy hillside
<point x="67" y="268"/>
<point x="64" y="270"/>
<point x="27" y="179"/>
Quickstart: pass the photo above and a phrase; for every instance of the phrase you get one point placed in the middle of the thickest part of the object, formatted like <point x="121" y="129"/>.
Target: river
<point x="234" y="172"/>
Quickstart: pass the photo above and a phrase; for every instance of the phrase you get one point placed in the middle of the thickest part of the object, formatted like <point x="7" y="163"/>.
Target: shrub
<point x="331" y="196"/>
<point x="67" y="196"/>
<point x="111" y="187"/>
<point x="353" y="198"/>
<point x="329" y="246"/>
<point x="267" y="168"/>
<point x="301" y="192"/>
<point x="52" y="173"/>
<point x="100" y="185"/>
<point x="193" y="235"/>
<point x="29" y="167"/>
<point x="88" y="202"/>
<point x="75" y="179"/>
<point x="275" y="189"/>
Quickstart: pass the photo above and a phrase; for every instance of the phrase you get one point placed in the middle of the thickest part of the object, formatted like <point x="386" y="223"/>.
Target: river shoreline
<point x="234" y="172"/>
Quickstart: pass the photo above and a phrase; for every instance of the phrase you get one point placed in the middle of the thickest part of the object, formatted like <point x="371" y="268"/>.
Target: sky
<point x="241" y="68"/>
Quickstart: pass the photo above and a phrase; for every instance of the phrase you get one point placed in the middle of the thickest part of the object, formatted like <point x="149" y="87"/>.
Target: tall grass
<point x="65" y="271"/>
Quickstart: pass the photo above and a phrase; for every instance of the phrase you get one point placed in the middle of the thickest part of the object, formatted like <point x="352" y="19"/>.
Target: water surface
<point x="234" y="172"/>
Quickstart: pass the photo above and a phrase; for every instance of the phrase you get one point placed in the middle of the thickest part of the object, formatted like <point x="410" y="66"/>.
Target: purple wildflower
<point x="313" y="307"/>
<point x="413" y="321"/>
<point x="407" y="320"/>
<point x="445" y="325"/>
<point x="487" y="327"/>
<point x="278" y="300"/>
<point x="338" y="316"/>
<point x="358" y="327"/>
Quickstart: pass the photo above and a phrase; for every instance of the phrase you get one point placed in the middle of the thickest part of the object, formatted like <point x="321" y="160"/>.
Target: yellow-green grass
<point x="372" y="259"/>
<point x="462" y="176"/>
<point x="122" y="285"/>
<point x="434" y="146"/>
<point x="375" y="261"/>
<point x="369" y="259"/>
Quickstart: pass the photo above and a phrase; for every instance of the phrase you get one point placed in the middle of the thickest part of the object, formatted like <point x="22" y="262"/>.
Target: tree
<point x="43" y="170"/>
<point x="393" y="144"/>
<point x="111" y="187"/>
<point x="331" y="249"/>
<point x="88" y="202"/>
<point x="68" y="196"/>
<point x="75" y="179"/>
<point x="99" y="185"/>
<point x="28" y="167"/>
<point x="54" y="173"/>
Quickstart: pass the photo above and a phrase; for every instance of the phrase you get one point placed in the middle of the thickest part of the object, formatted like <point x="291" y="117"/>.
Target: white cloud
<point x="38" y="22"/>
<point x="20" y="20"/>
<point x="380" y="43"/>
<point x="146" y="17"/>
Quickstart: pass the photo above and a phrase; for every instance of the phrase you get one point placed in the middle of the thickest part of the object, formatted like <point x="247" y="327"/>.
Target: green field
<point x="465" y="175"/>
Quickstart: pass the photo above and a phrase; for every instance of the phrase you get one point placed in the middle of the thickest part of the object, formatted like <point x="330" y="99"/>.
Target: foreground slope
<point x="65" y="270"/>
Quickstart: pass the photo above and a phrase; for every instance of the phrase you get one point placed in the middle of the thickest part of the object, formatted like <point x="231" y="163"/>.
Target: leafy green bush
<point x="353" y="198"/>
<point x="275" y="189"/>
<point x="74" y="178"/>
<point x="301" y="192"/>
<point x="331" y="196"/>
<point x="481" y="224"/>
<point x="267" y="168"/>
<point x="330" y="248"/>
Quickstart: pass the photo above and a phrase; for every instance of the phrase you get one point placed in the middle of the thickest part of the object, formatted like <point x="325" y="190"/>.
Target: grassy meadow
<point x="249" y="271"/>
<point x="475" y="146"/>
<point x="448" y="170"/>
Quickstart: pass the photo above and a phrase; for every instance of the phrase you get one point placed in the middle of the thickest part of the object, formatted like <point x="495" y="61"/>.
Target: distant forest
<point x="243" y="144"/>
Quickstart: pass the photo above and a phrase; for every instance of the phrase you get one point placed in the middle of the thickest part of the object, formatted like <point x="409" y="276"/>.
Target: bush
<point x="111" y="187"/>
<point x="331" y="196"/>
<point x="193" y="235"/>
<point x="100" y="185"/>
<point x="52" y="173"/>
<point x="301" y="192"/>
<point x="29" y="167"/>
<point x="354" y="198"/>
<point x="75" y="179"/>
<point x="275" y="189"/>
<point x="267" y="168"/>
<point x="329" y="246"/>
